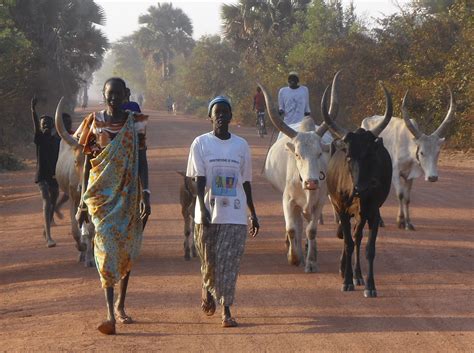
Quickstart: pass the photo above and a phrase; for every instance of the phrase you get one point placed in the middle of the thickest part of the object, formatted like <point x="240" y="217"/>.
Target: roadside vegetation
<point x="52" y="48"/>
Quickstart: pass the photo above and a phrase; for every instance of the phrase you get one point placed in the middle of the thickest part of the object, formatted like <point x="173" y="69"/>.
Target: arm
<point x="254" y="99"/>
<point x="307" y="109"/>
<point x="145" y="207"/>
<point x="281" y="102"/>
<point x="201" y="190"/>
<point x="34" y="116"/>
<point x="254" y="225"/>
<point x="82" y="215"/>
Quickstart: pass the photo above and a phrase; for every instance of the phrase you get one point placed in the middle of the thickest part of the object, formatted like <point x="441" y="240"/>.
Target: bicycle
<point x="261" y="129"/>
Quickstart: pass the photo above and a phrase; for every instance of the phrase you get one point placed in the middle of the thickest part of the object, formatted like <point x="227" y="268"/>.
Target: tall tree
<point x="167" y="32"/>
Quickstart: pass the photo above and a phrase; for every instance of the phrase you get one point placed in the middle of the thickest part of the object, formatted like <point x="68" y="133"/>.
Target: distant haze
<point x="122" y="15"/>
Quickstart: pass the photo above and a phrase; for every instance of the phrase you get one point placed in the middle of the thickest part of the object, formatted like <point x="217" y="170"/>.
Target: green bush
<point x="8" y="161"/>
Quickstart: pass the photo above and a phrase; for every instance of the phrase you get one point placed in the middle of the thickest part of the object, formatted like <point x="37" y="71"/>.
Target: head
<point x="361" y="150"/>
<point x="127" y="94"/>
<point x="362" y="147"/>
<point x="46" y="124"/>
<point x="259" y="90"/>
<point x="293" y="79"/>
<point x="308" y="150"/>
<point x="67" y="121"/>
<point x="428" y="146"/>
<point x="115" y="93"/>
<point x="220" y="112"/>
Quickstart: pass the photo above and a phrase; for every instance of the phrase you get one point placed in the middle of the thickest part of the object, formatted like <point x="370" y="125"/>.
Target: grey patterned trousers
<point x="220" y="248"/>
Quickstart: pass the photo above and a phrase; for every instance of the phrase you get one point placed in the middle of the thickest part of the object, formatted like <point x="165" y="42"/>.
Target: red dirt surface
<point x="425" y="282"/>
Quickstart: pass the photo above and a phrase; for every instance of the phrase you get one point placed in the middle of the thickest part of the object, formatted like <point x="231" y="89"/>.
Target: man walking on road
<point x="47" y="151"/>
<point x="293" y="101"/>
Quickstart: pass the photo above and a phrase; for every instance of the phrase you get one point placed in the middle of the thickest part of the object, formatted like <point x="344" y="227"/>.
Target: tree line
<point x="53" y="47"/>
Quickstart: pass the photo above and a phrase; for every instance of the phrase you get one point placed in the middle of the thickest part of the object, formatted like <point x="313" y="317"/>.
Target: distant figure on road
<point x="293" y="101"/>
<point x="47" y="151"/>
<point x="130" y="105"/>
<point x="169" y="103"/>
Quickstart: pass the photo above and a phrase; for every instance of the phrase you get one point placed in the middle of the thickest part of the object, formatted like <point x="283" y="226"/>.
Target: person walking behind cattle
<point x="130" y="105"/>
<point x="259" y="108"/>
<point x="47" y="150"/>
<point x="293" y="101"/>
<point x="222" y="165"/>
<point x="115" y="193"/>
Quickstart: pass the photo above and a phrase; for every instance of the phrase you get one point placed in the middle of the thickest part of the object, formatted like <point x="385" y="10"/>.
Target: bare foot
<point x="107" y="327"/>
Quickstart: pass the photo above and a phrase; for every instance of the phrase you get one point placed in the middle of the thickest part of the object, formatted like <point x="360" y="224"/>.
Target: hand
<point x="254" y="226"/>
<point x="206" y="217"/>
<point x="34" y="101"/>
<point x="82" y="215"/>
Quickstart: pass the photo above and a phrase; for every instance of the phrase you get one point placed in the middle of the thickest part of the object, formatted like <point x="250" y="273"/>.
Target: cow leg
<point x="406" y="202"/>
<point x="348" y="284"/>
<point x="358" y="233"/>
<point x="294" y="224"/>
<point x="187" y="234"/>
<point x="374" y="221"/>
<point x="312" y="251"/>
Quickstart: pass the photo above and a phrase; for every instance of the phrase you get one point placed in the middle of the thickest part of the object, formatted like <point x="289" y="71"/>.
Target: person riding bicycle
<point x="259" y="108"/>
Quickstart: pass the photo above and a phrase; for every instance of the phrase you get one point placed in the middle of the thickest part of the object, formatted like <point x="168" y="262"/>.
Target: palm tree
<point x="247" y="23"/>
<point x="167" y="32"/>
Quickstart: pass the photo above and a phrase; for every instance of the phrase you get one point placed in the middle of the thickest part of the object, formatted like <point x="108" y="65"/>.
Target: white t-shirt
<point x="226" y="164"/>
<point x="294" y="103"/>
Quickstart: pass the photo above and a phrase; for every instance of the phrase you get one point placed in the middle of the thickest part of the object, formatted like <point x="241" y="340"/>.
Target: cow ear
<point x="326" y="147"/>
<point x="290" y="146"/>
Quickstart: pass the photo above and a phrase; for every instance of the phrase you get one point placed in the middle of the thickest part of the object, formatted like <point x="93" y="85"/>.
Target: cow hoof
<point x="187" y="254"/>
<point x="409" y="226"/>
<point x="89" y="263"/>
<point x="293" y="260"/>
<point x="311" y="268"/>
<point x="81" y="247"/>
<point x="347" y="287"/>
<point x="51" y="243"/>
<point x="370" y="293"/>
<point x="358" y="281"/>
<point x="401" y="225"/>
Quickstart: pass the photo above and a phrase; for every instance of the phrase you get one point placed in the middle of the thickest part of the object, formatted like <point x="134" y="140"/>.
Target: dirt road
<point x="425" y="279"/>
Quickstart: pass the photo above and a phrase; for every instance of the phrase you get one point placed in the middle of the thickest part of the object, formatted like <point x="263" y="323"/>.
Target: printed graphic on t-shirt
<point x="224" y="181"/>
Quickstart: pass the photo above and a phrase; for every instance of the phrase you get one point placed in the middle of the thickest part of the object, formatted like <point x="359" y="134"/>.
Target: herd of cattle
<point x="356" y="170"/>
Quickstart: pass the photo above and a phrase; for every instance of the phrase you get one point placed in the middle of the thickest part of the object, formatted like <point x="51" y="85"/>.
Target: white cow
<point x="69" y="175"/>
<point x="296" y="166"/>
<point x="413" y="153"/>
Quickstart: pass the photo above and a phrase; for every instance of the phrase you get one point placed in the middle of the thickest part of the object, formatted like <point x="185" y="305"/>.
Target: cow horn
<point x="406" y="117"/>
<point x="60" y="125"/>
<point x="388" y="113"/>
<point x="441" y="130"/>
<point x="335" y="129"/>
<point x="277" y="122"/>
<point x="333" y="108"/>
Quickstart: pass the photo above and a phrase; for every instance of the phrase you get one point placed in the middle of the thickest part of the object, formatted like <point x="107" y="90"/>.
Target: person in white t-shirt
<point x="221" y="163"/>
<point x="293" y="101"/>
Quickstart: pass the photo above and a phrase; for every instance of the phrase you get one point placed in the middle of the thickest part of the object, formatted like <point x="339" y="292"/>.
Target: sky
<point x="122" y="15"/>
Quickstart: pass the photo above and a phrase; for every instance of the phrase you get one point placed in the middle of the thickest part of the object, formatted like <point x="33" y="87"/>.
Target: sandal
<point x="229" y="322"/>
<point x="107" y="328"/>
<point x="209" y="307"/>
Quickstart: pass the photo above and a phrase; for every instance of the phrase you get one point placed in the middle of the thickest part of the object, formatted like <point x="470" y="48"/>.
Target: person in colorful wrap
<point x="221" y="163"/>
<point x="115" y="193"/>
